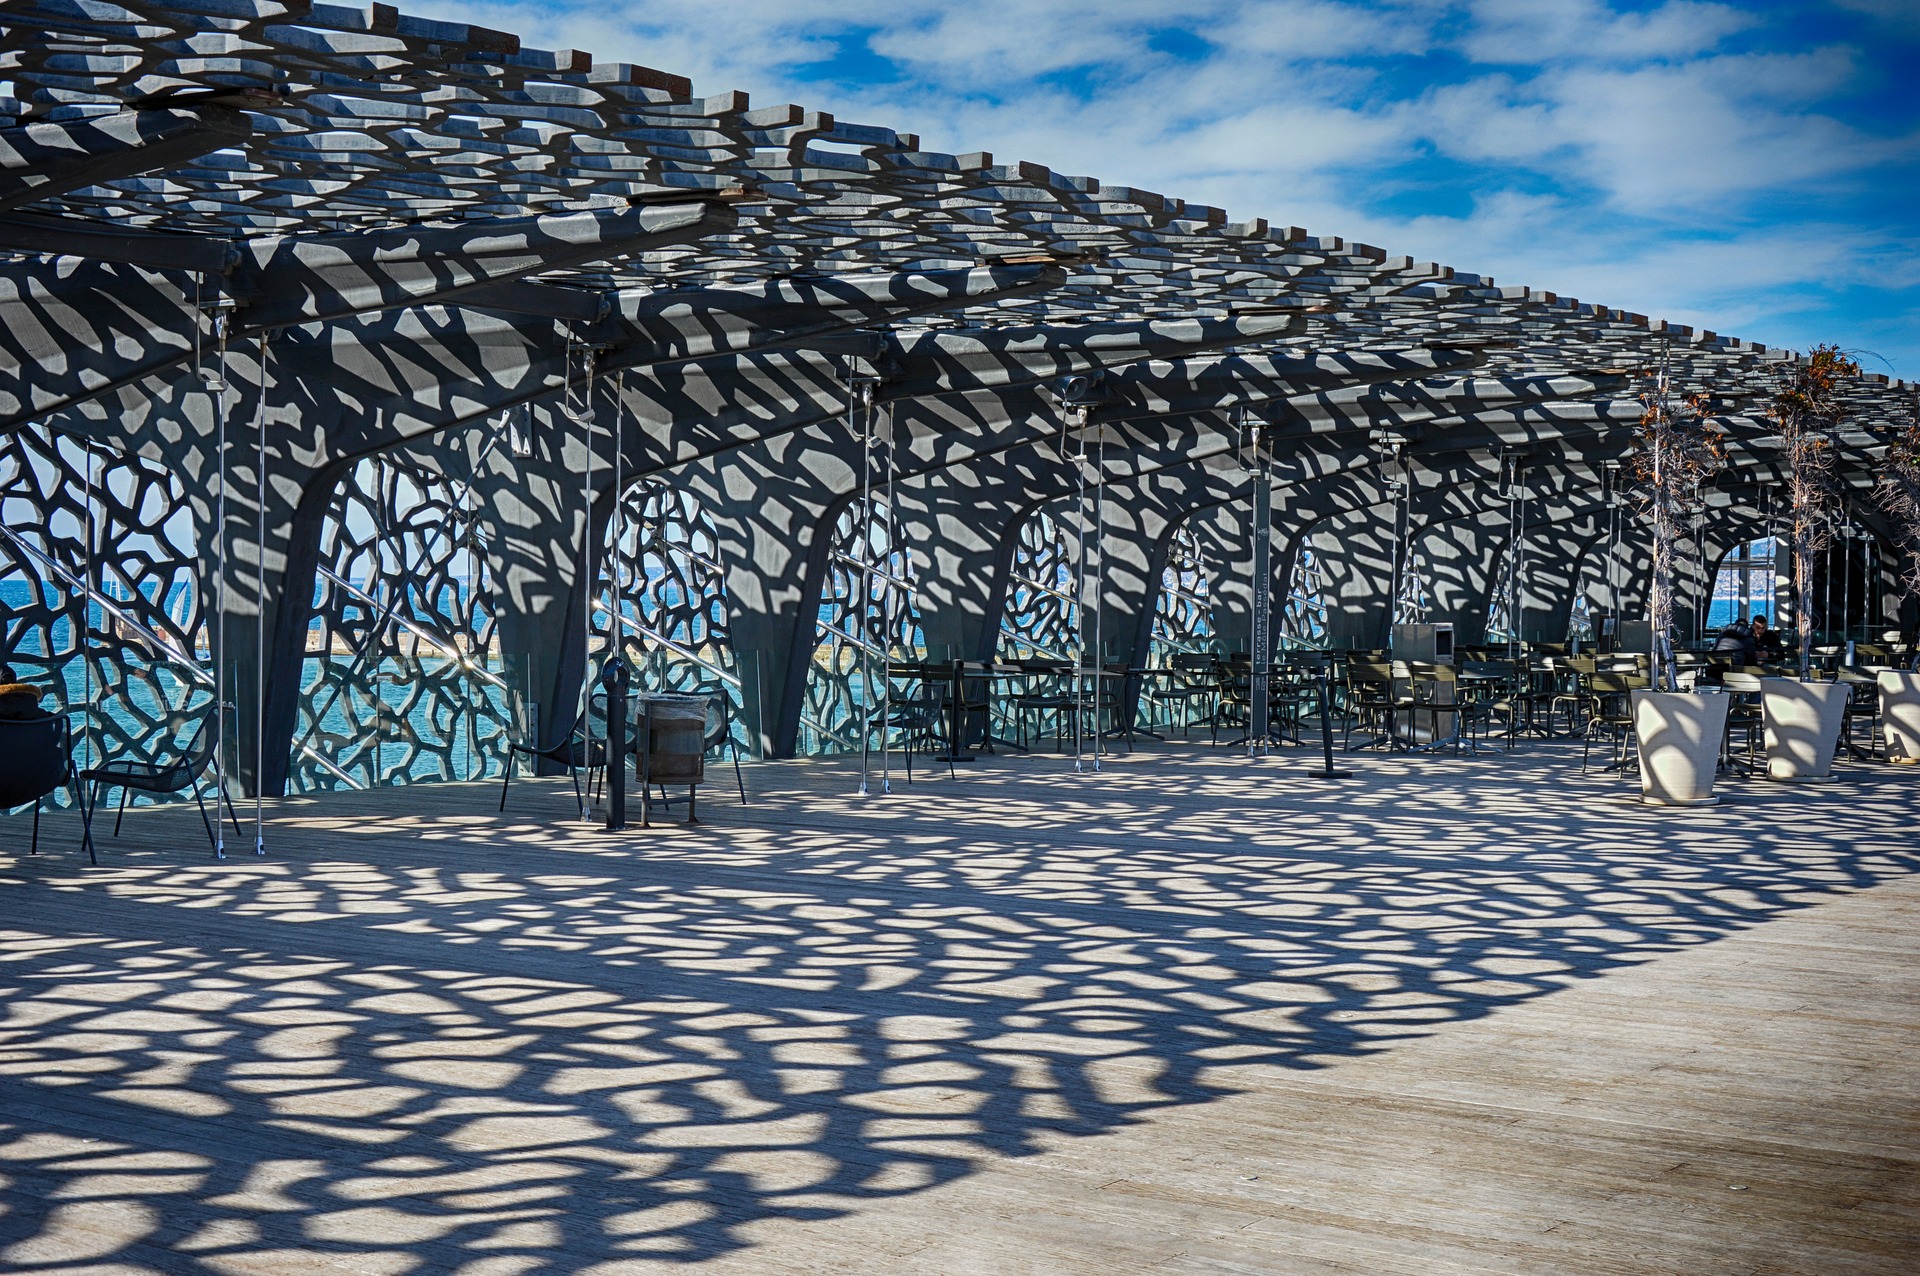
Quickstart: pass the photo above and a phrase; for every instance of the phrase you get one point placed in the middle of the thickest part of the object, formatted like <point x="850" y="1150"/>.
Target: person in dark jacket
<point x="1767" y="642"/>
<point x="1736" y="640"/>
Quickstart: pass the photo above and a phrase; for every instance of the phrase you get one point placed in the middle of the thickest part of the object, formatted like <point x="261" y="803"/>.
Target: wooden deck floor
<point x="1189" y="1015"/>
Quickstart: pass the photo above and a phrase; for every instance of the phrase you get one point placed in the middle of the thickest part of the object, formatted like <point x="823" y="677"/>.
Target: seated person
<point x="19" y="701"/>
<point x="1767" y="641"/>
<point x="1737" y="639"/>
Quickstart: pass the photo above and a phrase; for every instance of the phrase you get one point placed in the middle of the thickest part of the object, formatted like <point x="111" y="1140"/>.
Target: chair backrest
<point x="197" y="754"/>
<point x="719" y="719"/>
<point x="1191" y="661"/>
<point x="1615" y="682"/>
<point x="33" y="758"/>
<point x="1745" y="684"/>
<point x="1368" y="670"/>
<point x="1422" y="671"/>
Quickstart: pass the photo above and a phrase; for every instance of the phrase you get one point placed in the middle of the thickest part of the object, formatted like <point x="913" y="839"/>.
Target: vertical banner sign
<point x="1257" y="732"/>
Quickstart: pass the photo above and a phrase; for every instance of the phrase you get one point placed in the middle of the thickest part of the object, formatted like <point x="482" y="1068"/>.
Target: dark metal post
<point x="615" y="678"/>
<point x="1326" y="724"/>
<point x="1259" y="735"/>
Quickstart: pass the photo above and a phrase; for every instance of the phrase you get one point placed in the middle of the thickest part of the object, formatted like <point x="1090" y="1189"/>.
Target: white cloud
<point x="1297" y="30"/>
<point x="1532" y="31"/>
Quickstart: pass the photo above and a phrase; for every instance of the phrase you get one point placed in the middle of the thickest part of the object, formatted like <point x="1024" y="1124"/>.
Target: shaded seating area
<point x="36" y="754"/>
<point x="181" y="760"/>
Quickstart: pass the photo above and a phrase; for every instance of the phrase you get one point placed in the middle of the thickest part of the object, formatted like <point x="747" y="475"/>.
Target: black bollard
<point x="615" y="679"/>
<point x="1326" y="725"/>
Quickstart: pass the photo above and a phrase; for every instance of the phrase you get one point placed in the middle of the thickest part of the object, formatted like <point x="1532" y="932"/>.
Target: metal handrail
<point x="629" y="623"/>
<point x="109" y="605"/>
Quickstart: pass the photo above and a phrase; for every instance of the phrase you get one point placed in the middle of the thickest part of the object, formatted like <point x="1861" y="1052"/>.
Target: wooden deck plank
<point x="1189" y="1015"/>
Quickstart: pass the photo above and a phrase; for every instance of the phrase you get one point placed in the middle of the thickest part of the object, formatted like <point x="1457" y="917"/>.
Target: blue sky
<point x="1747" y="168"/>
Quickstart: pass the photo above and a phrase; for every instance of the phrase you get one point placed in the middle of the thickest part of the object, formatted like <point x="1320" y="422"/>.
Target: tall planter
<point x="1679" y="735"/>
<point x="1803" y="727"/>
<point x="1900" y="714"/>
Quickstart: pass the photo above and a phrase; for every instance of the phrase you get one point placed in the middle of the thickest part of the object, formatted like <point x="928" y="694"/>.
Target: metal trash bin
<point x="670" y="735"/>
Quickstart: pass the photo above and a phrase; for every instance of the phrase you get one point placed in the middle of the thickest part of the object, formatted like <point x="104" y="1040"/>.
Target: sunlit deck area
<point x="1190" y="1014"/>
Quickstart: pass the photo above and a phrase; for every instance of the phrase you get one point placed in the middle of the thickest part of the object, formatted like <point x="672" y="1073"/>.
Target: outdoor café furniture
<point x="1610" y="713"/>
<point x="581" y="748"/>
<point x="915" y="712"/>
<point x="1046" y="690"/>
<point x="1572" y="692"/>
<point x="1431" y="693"/>
<point x="670" y="747"/>
<point x="1232" y="699"/>
<point x="1490" y="689"/>
<point x="1294" y="692"/>
<point x="36" y="757"/>
<point x="716" y="733"/>
<point x="1188" y="680"/>
<point x="173" y="767"/>
<point x="1370" y="700"/>
<point x="1744" y="714"/>
<point x="1863" y="705"/>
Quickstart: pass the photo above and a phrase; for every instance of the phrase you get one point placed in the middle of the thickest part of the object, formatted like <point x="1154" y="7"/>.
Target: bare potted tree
<point x="1679" y="733"/>
<point x="1803" y="716"/>
<point x="1898" y="494"/>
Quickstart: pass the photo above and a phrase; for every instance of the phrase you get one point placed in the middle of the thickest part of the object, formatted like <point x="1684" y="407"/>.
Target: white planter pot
<point x="1900" y="714"/>
<point x="1803" y="726"/>
<point x="1679" y="734"/>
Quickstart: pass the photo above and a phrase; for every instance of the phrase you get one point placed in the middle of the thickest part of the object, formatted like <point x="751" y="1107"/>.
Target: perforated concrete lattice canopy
<point x="520" y="277"/>
<point x="295" y="119"/>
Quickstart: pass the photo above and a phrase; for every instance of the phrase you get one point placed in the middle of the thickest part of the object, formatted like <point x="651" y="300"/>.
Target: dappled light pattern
<point x="1041" y="615"/>
<point x="672" y="592"/>
<point x="1183" y="606"/>
<point x="92" y="524"/>
<point x="400" y="680"/>
<point x="867" y="615"/>
<point x="430" y="1038"/>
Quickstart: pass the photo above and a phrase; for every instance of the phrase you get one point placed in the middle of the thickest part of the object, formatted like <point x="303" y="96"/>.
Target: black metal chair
<point x="1047" y="690"/>
<point x="581" y="749"/>
<point x="36" y="757"/>
<point x="1610" y="713"/>
<point x="915" y="712"/>
<point x="174" y="768"/>
<point x="1191" y="680"/>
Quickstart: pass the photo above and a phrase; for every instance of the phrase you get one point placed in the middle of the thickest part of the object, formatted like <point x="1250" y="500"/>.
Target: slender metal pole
<point x="1520" y="555"/>
<point x="1080" y="601"/>
<point x="616" y="541"/>
<point x="858" y="402"/>
<point x="260" y="608"/>
<point x="1099" y="577"/>
<point x="84" y="639"/>
<point x="887" y="619"/>
<point x="220" y="654"/>
<point x="1260" y="514"/>
<point x="589" y="583"/>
